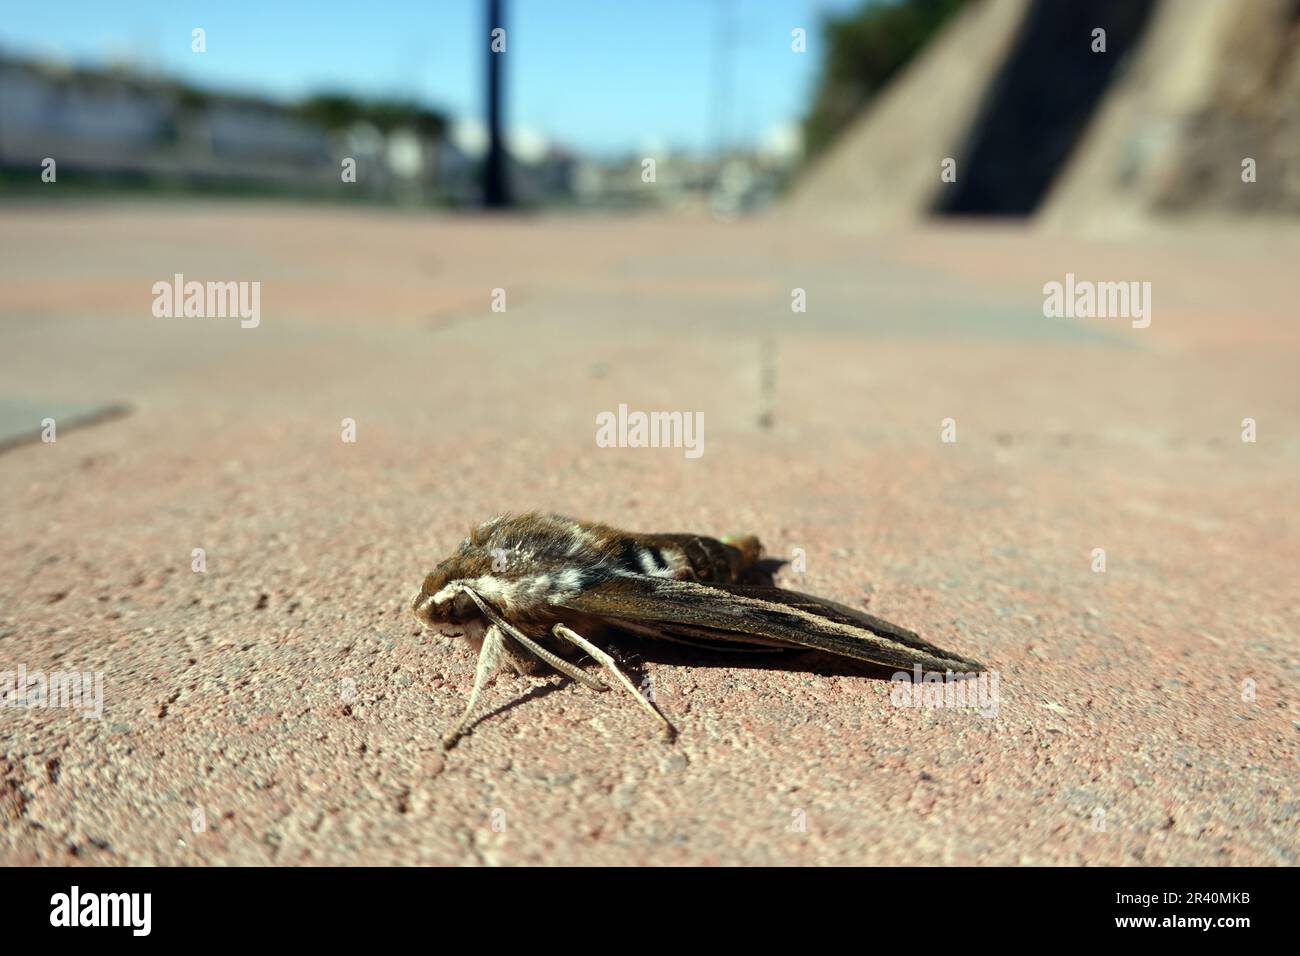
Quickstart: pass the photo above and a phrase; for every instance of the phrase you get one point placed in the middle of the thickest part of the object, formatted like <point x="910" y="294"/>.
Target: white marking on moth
<point x="647" y="562"/>
<point x="580" y="539"/>
<point x="486" y="586"/>
<point x="676" y="561"/>
<point x="570" y="580"/>
<point x="505" y="592"/>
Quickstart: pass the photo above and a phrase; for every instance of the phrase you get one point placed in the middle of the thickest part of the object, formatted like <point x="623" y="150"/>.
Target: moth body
<point x="534" y="589"/>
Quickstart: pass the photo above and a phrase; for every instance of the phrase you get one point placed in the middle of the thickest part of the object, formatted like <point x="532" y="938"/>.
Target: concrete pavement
<point x="285" y="699"/>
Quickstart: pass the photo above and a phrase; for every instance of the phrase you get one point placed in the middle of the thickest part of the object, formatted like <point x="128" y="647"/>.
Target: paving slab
<point x="25" y="420"/>
<point x="279" y="704"/>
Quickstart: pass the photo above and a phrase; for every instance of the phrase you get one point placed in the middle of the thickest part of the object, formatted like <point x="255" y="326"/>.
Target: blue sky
<point x="605" y="76"/>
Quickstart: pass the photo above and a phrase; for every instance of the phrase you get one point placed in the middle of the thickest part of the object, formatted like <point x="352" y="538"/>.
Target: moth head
<point x="442" y="601"/>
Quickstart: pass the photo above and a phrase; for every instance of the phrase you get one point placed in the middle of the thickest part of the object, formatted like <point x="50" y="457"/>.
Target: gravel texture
<point x="286" y="698"/>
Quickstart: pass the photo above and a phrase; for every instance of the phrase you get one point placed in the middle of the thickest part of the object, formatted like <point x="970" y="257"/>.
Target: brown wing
<point x="732" y="612"/>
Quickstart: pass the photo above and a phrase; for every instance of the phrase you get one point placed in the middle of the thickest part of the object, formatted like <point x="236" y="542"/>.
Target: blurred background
<point x="712" y="90"/>
<point x="739" y="102"/>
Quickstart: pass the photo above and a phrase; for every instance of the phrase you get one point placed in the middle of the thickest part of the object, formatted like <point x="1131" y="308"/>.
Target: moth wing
<point x="737" y="612"/>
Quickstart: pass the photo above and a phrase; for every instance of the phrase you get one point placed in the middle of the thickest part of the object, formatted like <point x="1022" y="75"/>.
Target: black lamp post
<point x="496" y="175"/>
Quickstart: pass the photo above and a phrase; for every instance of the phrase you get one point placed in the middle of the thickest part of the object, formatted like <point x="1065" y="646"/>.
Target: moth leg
<point x="602" y="658"/>
<point x="561" y="665"/>
<point x="488" y="656"/>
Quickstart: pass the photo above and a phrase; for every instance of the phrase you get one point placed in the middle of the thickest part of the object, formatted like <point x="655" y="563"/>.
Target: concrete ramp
<point x="1040" y="101"/>
<point x="1215" y="82"/>
<point x="885" y="167"/>
<point x="1041" y="124"/>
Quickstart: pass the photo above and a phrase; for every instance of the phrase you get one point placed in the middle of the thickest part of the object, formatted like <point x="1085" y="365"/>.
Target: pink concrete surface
<point x="1124" y="732"/>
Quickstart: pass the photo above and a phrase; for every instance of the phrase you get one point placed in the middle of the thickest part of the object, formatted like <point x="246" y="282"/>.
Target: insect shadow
<point x="537" y="692"/>
<point x="633" y="652"/>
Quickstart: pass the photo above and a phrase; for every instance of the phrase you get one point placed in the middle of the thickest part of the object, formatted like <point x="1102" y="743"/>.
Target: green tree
<point x="338" y="111"/>
<point x="865" y="49"/>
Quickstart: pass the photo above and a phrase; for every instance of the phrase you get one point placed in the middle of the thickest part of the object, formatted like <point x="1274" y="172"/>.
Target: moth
<point x="533" y="590"/>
